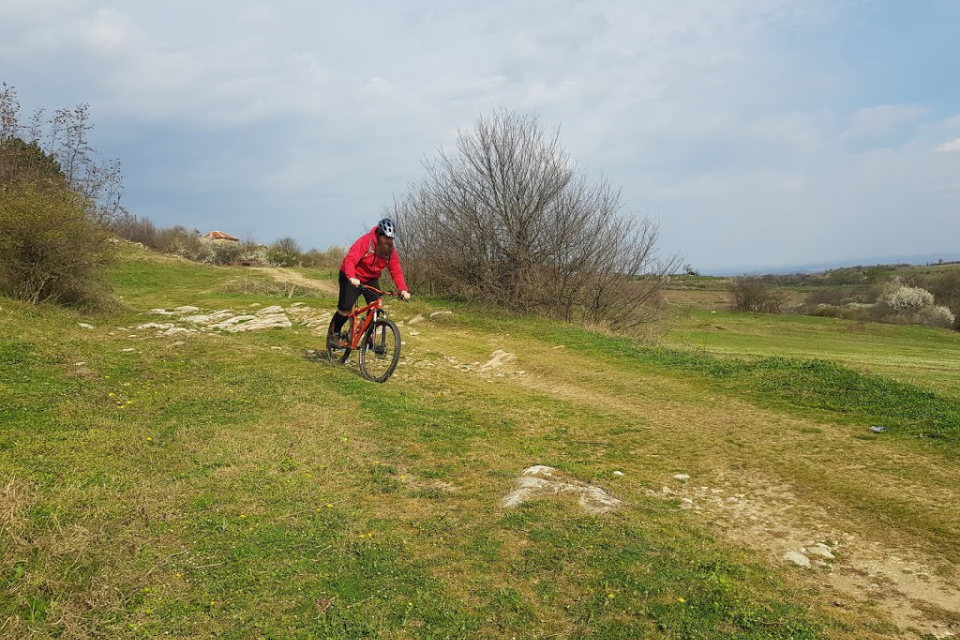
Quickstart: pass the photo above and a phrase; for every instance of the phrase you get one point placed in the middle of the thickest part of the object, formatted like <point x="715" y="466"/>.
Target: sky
<point x="756" y="133"/>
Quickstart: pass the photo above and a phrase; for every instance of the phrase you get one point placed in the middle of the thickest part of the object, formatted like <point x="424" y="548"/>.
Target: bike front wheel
<point x="380" y="351"/>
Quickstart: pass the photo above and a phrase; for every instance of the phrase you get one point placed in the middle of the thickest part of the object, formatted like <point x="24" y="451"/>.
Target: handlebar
<point x="382" y="293"/>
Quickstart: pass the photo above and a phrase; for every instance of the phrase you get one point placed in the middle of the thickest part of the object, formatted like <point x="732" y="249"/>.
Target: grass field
<point x="224" y="485"/>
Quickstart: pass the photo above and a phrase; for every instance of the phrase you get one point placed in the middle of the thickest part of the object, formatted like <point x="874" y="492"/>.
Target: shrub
<point x="935" y="316"/>
<point x="905" y="299"/>
<point x="508" y="219"/>
<point x="755" y="295"/>
<point x="186" y="244"/>
<point x="285" y="252"/>
<point x="328" y="259"/>
<point x="50" y="249"/>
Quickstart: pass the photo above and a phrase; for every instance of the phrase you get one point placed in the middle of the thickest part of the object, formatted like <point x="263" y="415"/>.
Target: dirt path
<point x="287" y="276"/>
<point x="775" y="483"/>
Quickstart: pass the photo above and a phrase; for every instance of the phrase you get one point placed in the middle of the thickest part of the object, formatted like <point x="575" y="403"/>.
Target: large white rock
<point x="186" y="309"/>
<point x="797" y="558"/>
<point x="541" y="480"/>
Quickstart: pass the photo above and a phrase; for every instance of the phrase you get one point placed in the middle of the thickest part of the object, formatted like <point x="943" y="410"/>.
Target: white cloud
<point x="709" y="113"/>
<point x="880" y="120"/>
<point x="950" y="147"/>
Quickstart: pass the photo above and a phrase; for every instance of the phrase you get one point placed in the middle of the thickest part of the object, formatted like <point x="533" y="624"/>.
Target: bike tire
<point x="380" y="351"/>
<point x="339" y="355"/>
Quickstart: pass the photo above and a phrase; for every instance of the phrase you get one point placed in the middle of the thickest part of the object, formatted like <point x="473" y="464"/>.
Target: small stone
<point x="877" y="429"/>
<point x="414" y="333"/>
<point x="298" y="304"/>
<point x="256" y="304"/>
<point x="681" y="476"/>
<point x="414" y="320"/>
<point x="618" y="473"/>
<point x="797" y="558"/>
<point x="84" y="325"/>
<point x="441" y="313"/>
<point x="79" y="364"/>
<point x="127" y="350"/>
<point x="666" y="491"/>
<point x="186" y="309"/>
<point x="155" y="325"/>
<point x="160" y="312"/>
<point x="277" y="348"/>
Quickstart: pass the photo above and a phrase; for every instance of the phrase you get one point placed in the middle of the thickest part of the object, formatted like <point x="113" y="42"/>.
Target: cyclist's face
<point x="384" y="246"/>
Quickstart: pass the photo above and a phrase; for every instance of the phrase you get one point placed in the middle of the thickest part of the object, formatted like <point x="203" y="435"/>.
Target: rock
<point x="176" y="331"/>
<point x="127" y="350"/>
<point x="255" y="304"/>
<point x="681" y="476"/>
<point x="298" y="304"/>
<point x="797" y="558"/>
<point x="255" y="323"/>
<point x="84" y="325"/>
<point x="497" y="359"/>
<point x="541" y="480"/>
<point x="441" y="313"/>
<point x="79" y="364"/>
<point x="155" y="325"/>
<point x="270" y="311"/>
<point x="178" y="343"/>
<point x="559" y="346"/>
<point x="186" y="309"/>
<point x="413" y="333"/>
<point x="618" y="473"/>
<point x="877" y="429"/>
<point x="414" y="320"/>
<point x="277" y="348"/>
<point x="666" y="491"/>
<point x="160" y="312"/>
<point x="201" y="319"/>
<point x="821" y="551"/>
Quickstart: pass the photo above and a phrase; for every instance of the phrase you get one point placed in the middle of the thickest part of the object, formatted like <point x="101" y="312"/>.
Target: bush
<point x="285" y="252"/>
<point x="328" y="259"/>
<point x="50" y="250"/>
<point x="906" y="299"/>
<point x="508" y="219"/>
<point x="935" y="316"/>
<point x="755" y="295"/>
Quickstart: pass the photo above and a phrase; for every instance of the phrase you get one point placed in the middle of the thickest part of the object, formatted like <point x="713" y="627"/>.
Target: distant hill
<point x="835" y="264"/>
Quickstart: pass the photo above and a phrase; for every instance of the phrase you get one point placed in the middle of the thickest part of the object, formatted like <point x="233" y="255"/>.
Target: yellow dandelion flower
<point x="126" y="384"/>
<point x="111" y="394"/>
<point x="681" y="600"/>
<point x="149" y="438"/>
<point x="243" y="515"/>
<point x="610" y="596"/>
<point x="329" y="506"/>
<point x="106" y="377"/>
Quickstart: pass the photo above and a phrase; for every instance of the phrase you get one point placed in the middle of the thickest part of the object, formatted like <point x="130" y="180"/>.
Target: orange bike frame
<point x="358" y="328"/>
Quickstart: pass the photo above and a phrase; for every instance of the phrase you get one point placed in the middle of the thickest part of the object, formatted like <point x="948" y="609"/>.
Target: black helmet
<point x="386" y="228"/>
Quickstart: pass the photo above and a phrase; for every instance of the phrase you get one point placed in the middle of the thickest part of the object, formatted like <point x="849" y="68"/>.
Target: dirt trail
<point x="778" y="484"/>
<point x="292" y="277"/>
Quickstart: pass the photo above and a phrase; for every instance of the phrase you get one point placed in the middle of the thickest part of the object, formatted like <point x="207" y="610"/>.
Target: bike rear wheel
<point x="380" y="351"/>
<point x="340" y="353"/>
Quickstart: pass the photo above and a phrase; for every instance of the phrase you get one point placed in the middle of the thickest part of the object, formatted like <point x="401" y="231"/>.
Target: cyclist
<point x="363" y="264"/>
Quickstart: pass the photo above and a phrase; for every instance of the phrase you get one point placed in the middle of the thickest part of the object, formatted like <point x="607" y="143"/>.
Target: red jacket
<point x="363" y="263"/>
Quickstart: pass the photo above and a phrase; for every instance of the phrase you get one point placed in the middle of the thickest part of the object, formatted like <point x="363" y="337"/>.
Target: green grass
<point x="928" y="358"/>
<point x="229" y="487"/>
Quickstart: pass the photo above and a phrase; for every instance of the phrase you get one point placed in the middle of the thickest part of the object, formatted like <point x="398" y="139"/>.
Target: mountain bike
<point x="376" y="336"/>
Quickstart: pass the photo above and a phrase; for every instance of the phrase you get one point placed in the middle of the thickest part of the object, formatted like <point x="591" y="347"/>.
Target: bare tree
<point x="58" y="147"/>
<point x="754" y="294"/>
<point x="507" y="218"/>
